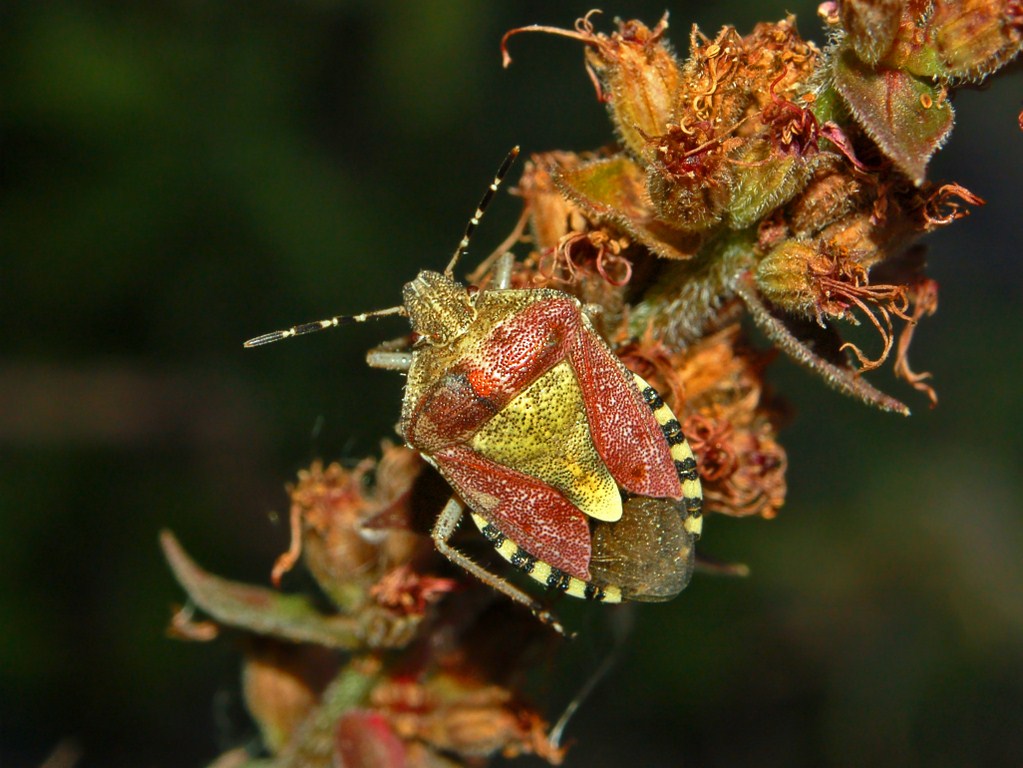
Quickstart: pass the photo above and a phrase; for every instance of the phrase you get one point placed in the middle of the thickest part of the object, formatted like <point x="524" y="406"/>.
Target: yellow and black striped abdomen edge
<point x="681" y="454"/>
<point x="546" y="574"/>
<point x="692" y="502"/>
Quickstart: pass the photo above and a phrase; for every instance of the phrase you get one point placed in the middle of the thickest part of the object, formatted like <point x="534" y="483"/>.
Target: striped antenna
<point x="334" y="322"/>
<point x="322" y="325"/>
<point x="484" y="202"/>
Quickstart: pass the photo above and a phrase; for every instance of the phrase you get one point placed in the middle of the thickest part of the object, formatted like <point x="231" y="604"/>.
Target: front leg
<point x="392" y="355"/>
<point x="503" y="271"/>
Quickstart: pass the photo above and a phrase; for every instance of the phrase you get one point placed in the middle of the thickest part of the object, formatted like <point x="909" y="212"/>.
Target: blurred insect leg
<point x="391" y="361"/>
<point x="503" y="271"/>
<point x="444" y="529"/>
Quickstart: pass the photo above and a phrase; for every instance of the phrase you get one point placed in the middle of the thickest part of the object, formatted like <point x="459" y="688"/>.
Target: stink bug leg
<point x="503" y="271"/>
<point x="444" y="529"/>
<point x="391" y="355"/>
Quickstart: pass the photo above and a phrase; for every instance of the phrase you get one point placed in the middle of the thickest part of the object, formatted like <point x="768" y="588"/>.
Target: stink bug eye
<point x="571" y="466"/>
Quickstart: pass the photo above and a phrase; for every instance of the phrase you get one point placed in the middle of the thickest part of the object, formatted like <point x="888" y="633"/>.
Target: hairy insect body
<point x="540" y="429"/>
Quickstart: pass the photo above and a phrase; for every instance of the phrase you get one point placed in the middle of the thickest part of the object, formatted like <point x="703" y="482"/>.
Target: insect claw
<point x="548" y="618"/>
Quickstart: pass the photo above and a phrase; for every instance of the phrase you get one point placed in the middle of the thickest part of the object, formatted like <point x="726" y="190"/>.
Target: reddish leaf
<point x="364" y="739"/>
<point x="908" y="118"/>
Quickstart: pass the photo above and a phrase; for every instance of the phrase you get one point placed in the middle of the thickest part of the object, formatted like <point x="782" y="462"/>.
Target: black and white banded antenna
<point x="463" y="244"/>
<point x="339" y="320"/>
<point x="322" y="325"/>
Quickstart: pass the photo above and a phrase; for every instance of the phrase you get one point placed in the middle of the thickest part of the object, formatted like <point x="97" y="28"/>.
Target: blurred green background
<point x="178" y="176"/>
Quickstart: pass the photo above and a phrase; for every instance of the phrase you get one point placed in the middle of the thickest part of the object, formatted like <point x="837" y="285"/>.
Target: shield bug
<point x="571" y="465"/>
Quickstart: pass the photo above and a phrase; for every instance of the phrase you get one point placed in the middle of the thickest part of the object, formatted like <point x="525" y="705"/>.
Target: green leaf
<point x="908" y="118"/>
<point x="614" y="190"/>
<point x="257" y="609"/>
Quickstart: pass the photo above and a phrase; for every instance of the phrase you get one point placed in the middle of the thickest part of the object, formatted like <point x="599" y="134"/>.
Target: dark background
<point x="176" y="177"/>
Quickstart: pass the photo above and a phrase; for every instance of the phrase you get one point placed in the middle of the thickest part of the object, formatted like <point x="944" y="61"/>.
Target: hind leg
<point x="444" y="529"/>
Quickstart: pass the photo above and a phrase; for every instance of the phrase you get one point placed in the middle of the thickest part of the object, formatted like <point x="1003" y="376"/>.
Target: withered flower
<point x="332" y="510"/>
<point x="716" y="387"/>
<point x="823" y="282"/>
<point x="451" y="713"/>
<point x="633" y="70"/>
<point x="732" y="424"/>
<point x="569" y="246"/>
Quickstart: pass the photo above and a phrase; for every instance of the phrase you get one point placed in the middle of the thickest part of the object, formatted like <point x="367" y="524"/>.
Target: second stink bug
<point x="571" y="465"/>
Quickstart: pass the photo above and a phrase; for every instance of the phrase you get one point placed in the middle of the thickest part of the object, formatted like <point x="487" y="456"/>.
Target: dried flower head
<point x="570" y="248"/>
<point x="633" y="70"/>
<point x="332" y="511"/>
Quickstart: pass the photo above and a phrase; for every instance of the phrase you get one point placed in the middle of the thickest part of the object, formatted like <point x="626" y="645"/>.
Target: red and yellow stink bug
<point x="572" y="466"/>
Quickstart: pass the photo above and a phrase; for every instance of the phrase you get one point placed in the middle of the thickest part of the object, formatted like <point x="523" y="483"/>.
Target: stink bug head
<point x="439" y="307"/>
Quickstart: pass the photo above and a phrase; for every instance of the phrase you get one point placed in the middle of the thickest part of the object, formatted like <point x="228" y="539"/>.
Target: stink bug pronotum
<point x="572" y="466"/>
